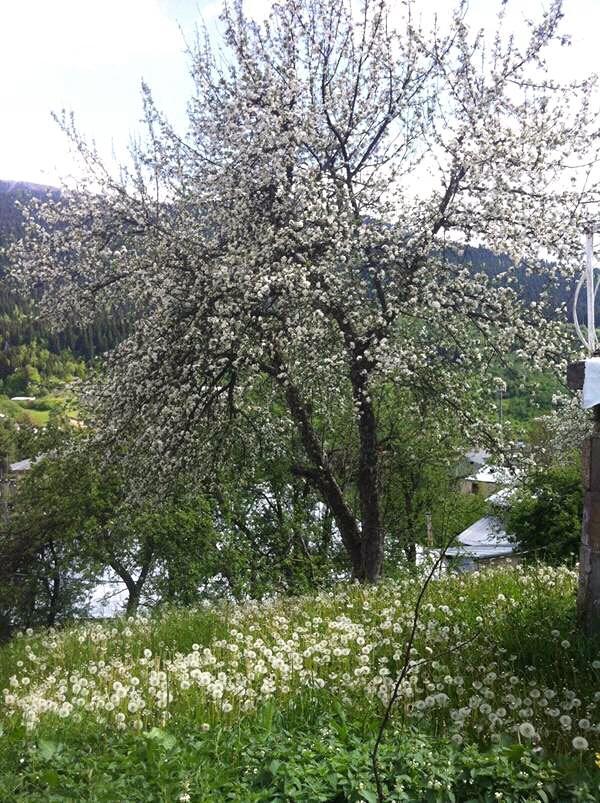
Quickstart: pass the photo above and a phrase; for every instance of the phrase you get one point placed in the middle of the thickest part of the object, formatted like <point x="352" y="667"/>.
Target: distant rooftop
<point x="24" y="465"/>
<point x="502" y="497"/>
<point x="21" y="465"/>
<point x="486" y="538"/>
<point x="492" y="474"/>
<point x="478" y="456"/>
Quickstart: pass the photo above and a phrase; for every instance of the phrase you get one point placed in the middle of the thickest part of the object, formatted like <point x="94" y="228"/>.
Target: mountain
<point x="27" y="348"/>
<point x="530" y="285"/>
<point x="108" y="332"/>
<point x="21" y="191"/>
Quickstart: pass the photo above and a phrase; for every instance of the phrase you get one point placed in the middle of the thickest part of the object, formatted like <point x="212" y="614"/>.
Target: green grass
<point x="37" y="412"/>
<point x="280" y="701"/>
<point x="10" y="408"/>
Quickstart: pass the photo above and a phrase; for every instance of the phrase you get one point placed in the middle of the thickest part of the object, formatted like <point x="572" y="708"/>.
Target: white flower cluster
<point x="305" y="241"/>
<point x="347" y="646"/>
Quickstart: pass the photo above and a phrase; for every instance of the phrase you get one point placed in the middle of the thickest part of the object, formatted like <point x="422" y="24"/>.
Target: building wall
<point x="483" y="489"/>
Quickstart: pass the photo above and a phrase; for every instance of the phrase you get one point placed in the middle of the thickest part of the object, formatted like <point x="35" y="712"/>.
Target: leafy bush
<point x="545" y="515"/>
<point x="328" y="760"/>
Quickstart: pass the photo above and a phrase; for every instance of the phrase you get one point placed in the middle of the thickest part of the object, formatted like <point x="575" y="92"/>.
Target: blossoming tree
<point x="298" y="248"/>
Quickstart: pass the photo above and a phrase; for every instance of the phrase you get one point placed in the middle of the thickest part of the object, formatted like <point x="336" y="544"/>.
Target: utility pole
<point x="429" y="529"/>
<point x="588" y="595"/>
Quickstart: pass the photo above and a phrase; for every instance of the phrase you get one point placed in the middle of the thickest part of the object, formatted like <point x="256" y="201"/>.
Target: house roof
<point x="491" y="474"/>
<point x="501" y="498"/>
<point x="478" y="456"/>
<point x="25" y="465"/>
<point x="21" y="465"/>
<point x="484" y="539"/>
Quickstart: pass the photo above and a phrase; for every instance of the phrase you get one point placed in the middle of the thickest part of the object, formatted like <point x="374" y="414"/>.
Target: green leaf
<point x="162" y="738"/>
<point x="51" y="778"/>
<point x="369" y="795"/>
<point x="515" y="752"/>
<point x="47" y="749"/>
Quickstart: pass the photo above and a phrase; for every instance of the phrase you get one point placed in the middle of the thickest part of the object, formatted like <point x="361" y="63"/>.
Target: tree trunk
<point x="133" y="596"/>
<point x="370" y="513"/>
<point x="410" y="547"/>
<point x="134" y="587"/>
<point x="588" y="596"/>
<point x="133" y="600"/>
<point x="321" y="476"/>
<point x="410" y="550"/>
<point x="371" y="531"/>
<point x="54" y="590"/>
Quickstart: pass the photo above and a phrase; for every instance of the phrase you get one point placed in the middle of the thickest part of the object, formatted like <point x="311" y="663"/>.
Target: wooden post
<point x="429" y="529"/>
<point x="588" y="594"/>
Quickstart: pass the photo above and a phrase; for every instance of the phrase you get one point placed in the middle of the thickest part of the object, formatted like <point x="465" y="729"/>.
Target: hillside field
<point x="280" y="700"/>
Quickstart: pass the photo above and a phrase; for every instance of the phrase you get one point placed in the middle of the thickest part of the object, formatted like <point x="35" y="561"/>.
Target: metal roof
<point x="501" y="498"/>
<point x="483" y="539"/>
<point x="492" y="474"/>
<point x="21" y="465"/>
<point x="478" y="456"/>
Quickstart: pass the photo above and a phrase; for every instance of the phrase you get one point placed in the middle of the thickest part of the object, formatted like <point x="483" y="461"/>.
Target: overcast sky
<point x="89" y="56"/>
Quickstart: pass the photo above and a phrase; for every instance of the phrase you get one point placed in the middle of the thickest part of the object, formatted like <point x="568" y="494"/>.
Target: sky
<point x="90" y="56"/>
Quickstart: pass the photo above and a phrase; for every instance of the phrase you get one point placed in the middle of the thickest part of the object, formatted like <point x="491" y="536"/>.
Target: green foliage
<point x="526" y="394"/>
<point x="544" y="517"/>
<point x="30" y="368"/>
<point x="312" y="745"/>
<point x="458" y="512"/>
<point x="529" y="393"/>
<point x="327" y="761"/>
<point x="70" y="521"/>
<point x="8" y="441"/>
<point x="44" y="573"/>
<point x="179" y="534"/>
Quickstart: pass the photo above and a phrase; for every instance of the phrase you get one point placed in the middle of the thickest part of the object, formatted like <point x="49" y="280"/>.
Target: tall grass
<point x="526" y="678"/>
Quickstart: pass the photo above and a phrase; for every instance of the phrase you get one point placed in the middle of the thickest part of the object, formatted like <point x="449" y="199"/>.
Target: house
<point x="487" y="481"/>
<point x="16" y="471"/>
<point x="484" y="542"/>
<point x="21" y="466"/>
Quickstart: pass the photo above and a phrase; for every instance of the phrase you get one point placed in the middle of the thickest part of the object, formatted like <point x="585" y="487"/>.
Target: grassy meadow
<point x="36" y="413"/>
<point x="280" y="700"/>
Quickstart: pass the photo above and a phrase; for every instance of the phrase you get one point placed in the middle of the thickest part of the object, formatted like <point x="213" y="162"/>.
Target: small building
<point x="484" y="542"/>
<point x="21" y="466"/>
<point x="487" y="481"/>
<point x="471" y="462"/>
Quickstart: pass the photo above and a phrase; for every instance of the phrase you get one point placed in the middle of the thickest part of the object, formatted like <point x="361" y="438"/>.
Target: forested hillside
<point x="531" y="285"/>
<point x="34" y="358"/>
